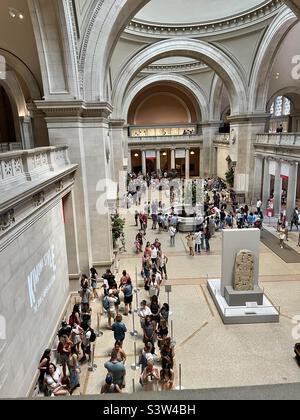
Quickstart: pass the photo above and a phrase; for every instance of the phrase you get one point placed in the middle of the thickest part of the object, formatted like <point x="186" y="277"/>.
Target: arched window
<point x="281" y="107"/>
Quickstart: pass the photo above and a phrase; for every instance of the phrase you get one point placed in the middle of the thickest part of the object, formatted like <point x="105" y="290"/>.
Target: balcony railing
<point x="222" y="138"/>
<point x="165" y="139"/>
<point x="19" y="166"/>
<point x="279" y="139"/>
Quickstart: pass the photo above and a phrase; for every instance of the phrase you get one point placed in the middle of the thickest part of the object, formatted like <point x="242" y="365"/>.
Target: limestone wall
<point x="34" y="287"/>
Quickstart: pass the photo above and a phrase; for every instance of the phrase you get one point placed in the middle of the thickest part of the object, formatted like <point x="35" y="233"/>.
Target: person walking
<point x="207" y="237"/>
<point x="190" y="243"/>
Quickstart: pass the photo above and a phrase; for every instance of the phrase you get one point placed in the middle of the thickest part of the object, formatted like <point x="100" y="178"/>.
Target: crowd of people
<point x="76" y="336"/>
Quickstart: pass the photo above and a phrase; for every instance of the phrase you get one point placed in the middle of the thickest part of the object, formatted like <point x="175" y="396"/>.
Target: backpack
<point x="71" y="320"/>
<point x="106" y="303"/>
<point x="93" y="336"/>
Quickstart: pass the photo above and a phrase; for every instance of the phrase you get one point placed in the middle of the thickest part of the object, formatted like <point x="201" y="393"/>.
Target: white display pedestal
<point x="265" y="313"/>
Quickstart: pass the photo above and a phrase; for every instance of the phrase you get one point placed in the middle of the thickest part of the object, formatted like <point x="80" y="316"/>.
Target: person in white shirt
<point x="143" y="312"/>
<point x="111" y="313"/>
<point x="198" y="241"/>
<point x="258" y="205"/>
<point x="172" y="233"/>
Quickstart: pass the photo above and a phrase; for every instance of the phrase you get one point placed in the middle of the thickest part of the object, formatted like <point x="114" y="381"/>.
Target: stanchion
<point x="180" y="387"/>
<point x="136" y="300"/>
<point x="136" y="280"/>
<point x="172" y="334"/>
<point x="135" y="365"/>
<point x="133" y="386"/>
<point x="168" y="291"/>
<point x="92" y="366"/>
<point x="134" y="332"/>
<point x="99" y="332"/>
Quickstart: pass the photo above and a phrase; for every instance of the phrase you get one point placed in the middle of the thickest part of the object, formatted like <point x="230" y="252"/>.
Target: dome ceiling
<point x="181" y="12"/>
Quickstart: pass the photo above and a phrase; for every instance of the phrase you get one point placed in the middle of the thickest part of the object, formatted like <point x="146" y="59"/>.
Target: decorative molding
<point x="59" y="185"/>
<point x="140" y="27"/>
<point x="85" y="42"/>
<point x="173" y="68"/>
<point x="7" y="219"/>
<point x="38" y="199"/>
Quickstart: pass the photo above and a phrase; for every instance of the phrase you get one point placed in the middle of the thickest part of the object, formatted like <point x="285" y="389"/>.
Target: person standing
<point x="127" y="289"/>
<point x="198" y="241"/>
<point x="207" y="237"/>
<point x="258" y="205"/>
<point x="172" y="233"/>
<point x="295" y="219"/>
<point x="281" y="236"/>
<point x="162" y="264"/>
<point x="190" y="243"/>
<point x="119" y="329"/>
<point x="116" y="369"/>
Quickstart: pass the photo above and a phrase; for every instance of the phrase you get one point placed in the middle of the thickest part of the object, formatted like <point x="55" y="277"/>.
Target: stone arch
<point x="260" y="78"/>
<point x="107" y="21"/>
<point x="290" y="92"/>
<point x="232" y="76"/>
<point x="14" y="64"/>
<point x="215" y="100"/>
<point x="193" y="88"/>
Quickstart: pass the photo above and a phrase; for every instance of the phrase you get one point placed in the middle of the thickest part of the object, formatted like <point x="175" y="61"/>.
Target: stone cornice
<point x="246" y="119"/>
<point x="73" y="109"/>
<point x="159" y="30"/>
<point x="172" y="68"/>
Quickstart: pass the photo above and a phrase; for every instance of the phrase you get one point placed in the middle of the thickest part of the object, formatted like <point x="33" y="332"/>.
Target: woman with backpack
<point x="75" y="316"/>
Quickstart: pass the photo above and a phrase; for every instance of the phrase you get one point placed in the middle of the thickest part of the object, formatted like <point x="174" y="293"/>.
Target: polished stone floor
<point x="211" y="355"/>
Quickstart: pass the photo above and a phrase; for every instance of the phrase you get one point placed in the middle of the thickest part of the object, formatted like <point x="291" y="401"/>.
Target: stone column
<point x="266" y="183"/>
<point x="244" y="130"/>
<point x="200" y="161"/>
<point x="292" y="190"/>
<point x="158" y="166"/>
<point x="117" y="140"/>
<point x="144" y="162"/>
<point x="187" y="164"/>
<point x="173" y="159"/>
<point x="210" y="130"/>
<point x="70" y="230"/>
<point x="129" y="164"/>
<point x="84" y="128"/>
<point x="258" y="177"/>
<point x="26" y="132"/>
<point x="277" y="188"/>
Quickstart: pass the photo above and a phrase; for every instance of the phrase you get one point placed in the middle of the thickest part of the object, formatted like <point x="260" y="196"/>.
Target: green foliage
<point x="118" y="225"/>
<point x="230" y="177"/>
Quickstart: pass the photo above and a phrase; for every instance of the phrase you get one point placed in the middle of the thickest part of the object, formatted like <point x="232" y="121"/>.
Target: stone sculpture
<point x="244" y="271"/>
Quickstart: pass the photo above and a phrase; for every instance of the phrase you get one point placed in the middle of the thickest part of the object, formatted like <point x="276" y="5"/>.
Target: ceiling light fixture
<point x="164" y="154"/>
<point x="136" y="155"/>
<point x="192" y="153"/>
<point x="13" y="13"/>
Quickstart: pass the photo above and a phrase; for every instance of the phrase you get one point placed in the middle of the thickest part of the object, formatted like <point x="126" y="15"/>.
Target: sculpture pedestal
<point x="265" y="313"/>
<point x="240" y="298"/>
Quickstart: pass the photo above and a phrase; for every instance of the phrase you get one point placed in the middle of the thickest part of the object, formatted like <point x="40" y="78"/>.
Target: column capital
<point x="117" y="123"/>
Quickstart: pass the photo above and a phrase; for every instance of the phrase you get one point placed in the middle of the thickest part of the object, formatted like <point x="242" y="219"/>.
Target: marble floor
<point x="211" y="355"/>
